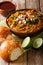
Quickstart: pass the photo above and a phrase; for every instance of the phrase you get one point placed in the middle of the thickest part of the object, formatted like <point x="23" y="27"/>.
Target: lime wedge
<point x="37" y="42"/>
<point x="26" y="43"/>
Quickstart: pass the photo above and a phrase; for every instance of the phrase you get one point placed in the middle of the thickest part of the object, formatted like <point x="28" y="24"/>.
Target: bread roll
<point x="1" y="40"/>
<point x="10" y="49"/>
<point x="4" y="32"/>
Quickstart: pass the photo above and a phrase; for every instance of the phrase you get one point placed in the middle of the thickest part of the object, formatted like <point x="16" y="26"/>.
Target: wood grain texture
<point x="35" y="57"/>
<point x="41" y="5"/>
<point x="32" y="4"/>
<point x="20" y="4"/>
<point x="21" y="61"/>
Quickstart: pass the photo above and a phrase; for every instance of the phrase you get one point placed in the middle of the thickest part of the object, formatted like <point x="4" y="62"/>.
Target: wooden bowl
<point x="22" y="34"/>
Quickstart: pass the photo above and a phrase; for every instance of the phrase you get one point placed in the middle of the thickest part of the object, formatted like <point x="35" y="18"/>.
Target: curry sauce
<point x="26" y="21"/>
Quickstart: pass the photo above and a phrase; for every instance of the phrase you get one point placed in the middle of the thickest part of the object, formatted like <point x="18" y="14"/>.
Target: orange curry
<point x="25" y="21"/>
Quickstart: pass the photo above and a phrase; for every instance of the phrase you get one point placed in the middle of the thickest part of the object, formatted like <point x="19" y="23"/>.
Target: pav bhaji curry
<point x="25" y="21"/>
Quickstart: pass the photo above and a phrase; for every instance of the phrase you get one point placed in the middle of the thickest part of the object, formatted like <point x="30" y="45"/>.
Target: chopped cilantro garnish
<point x="28" y="21"/>
<point x="15" y="22"/>
<point x="13" y="17"/>
<point x="36" y="21"/>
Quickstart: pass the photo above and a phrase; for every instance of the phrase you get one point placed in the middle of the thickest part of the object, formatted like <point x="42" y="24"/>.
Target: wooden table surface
<point x="32" y="57"/>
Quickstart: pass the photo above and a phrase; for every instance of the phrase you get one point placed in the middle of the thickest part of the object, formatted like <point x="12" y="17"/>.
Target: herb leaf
<point x="28" y="21"/>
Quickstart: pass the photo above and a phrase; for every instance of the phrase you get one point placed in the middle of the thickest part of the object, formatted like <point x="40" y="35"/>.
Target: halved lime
<point x="37" y="42"/>
<point x="26" y="43"/>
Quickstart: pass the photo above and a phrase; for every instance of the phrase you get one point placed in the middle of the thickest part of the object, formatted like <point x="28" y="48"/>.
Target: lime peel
<point x="26" y="43"/>
<point x="37" y="42"/>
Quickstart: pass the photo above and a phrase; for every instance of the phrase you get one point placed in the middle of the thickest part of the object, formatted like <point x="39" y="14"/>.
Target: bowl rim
<point x="18" y="33"/>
